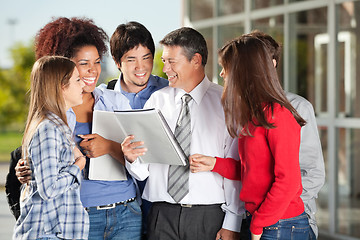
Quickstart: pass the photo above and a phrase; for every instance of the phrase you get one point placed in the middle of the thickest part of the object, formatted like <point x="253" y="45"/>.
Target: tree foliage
<point x="14" y="85"/>
<point x="158" y="64"/>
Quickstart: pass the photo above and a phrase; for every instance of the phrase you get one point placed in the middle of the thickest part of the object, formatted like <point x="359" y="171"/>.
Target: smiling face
<point x="178" y="68"/>
<point x="73" y="92"/>
<point x="136" y="67"/>
<point x="87" y="61"/>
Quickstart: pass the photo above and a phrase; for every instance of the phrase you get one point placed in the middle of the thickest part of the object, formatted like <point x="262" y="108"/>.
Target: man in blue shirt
<point x="132" y="48"/>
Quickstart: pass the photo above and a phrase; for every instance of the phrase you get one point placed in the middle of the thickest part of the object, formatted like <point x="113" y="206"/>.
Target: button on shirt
<point x="209" y="137"/>
<point x="52" y="205"/>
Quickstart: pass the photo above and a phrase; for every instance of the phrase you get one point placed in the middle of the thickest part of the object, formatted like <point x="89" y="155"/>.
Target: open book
<point x="147" y="125"/>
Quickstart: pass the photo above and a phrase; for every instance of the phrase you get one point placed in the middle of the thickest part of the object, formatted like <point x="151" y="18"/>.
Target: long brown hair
<point x="49" y="75"/>
<point x="251" y="86"/>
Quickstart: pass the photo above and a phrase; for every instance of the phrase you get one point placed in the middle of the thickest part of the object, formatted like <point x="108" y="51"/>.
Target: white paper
<point x="149" y="126"/>
<point x="105" y="167"/>
<point x="146" y="125"/>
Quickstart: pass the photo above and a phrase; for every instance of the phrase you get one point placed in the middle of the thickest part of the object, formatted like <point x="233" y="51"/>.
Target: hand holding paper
<point x="94" y="145"/>
<point x="150" y="129"/>
<point x="131" y="149"/>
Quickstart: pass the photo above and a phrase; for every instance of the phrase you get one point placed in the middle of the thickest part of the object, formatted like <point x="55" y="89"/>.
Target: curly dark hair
<point x="64" y="37"/>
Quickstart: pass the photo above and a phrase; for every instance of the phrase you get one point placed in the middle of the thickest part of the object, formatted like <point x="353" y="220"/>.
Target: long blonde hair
<point x="49" y="75"/>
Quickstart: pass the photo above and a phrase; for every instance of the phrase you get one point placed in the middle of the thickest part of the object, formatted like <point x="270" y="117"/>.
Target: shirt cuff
<point x="216" y="168"/>
<point x="137" y="169"/>
<point x="256" y="230"/>
<point x="232" y="222"/>
<point x="132" y="164"/>
<point x="75" y="171"/>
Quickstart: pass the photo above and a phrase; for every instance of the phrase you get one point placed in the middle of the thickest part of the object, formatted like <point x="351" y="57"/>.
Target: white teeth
<point x="140" y="74"/>
<point x="89" y="80"/>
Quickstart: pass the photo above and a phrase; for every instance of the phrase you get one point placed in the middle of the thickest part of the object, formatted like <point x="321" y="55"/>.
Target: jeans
<point x="120" y="223"/>
<point x="296" y="228"/>
<point x="312" y="235"/>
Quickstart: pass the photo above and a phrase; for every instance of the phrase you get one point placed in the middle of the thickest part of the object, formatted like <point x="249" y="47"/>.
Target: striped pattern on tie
<point x="178" y="178"/>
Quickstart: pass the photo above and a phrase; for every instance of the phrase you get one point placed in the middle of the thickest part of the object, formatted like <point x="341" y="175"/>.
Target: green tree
<point x="14" y="85"/>
<point x="158" y="64"/>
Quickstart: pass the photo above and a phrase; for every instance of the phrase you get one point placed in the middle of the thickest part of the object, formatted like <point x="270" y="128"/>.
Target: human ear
<point x="275" y="63"/>
<point x="197" y="59"/>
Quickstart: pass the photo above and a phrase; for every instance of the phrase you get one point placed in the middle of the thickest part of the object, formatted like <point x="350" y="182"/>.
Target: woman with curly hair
<point x="113" y="210"/>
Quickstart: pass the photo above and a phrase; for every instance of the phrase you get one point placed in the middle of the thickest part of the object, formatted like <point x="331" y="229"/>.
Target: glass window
<point x="227" y="7"/>
<point x="308" y="41"/>
<point x="200" y="9"/>
<point x="225" y="34"/>
<point x="228" y="32"/>
<point x="265" y="4"/>
<point x="348" y="60"/>
<point x="208" y="35"/>
<point x="322" y="214"/>
<point x="274" y="26"/>
<point x="348" y="194"/>
<point x="298" y="0"/>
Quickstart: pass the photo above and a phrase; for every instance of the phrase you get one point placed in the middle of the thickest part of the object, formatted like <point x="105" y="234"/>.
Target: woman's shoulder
<point x="278" y="113"/>
<point x="279" y="109"/>
<point x="49" y="128"/>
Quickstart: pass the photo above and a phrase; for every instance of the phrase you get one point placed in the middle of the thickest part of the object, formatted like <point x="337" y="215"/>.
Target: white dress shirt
<point x="209" y="137"/>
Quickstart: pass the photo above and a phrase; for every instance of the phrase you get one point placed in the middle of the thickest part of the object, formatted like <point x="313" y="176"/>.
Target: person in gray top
<point x="310" y="155"/>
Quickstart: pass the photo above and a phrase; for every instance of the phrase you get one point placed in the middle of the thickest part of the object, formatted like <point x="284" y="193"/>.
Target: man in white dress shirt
<point x="211" y="208"/>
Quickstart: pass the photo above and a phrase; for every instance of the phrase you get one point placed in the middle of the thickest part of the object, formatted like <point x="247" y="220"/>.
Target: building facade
<point x="321" y="62"/>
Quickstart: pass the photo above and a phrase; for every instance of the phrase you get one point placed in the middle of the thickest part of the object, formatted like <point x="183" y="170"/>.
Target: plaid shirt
<point x="52" y="201"/>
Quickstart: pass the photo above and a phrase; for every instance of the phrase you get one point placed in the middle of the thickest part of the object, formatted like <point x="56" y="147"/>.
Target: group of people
<point x="253" y="150"/>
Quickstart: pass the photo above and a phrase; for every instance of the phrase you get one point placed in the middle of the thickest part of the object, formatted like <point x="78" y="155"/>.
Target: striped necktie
<point x="178" y="178"/>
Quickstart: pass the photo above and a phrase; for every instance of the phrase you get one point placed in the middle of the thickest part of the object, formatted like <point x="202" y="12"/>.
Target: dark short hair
<point x="273" y="46"/>
<point x="190" y="40"/>
<point x="130" y="35"/>
<point x="64" y="37"/>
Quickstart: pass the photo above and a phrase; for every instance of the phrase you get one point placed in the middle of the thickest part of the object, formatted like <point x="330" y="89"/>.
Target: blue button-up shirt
<point x="52" y="203"/>
<point x="138" y="100"/>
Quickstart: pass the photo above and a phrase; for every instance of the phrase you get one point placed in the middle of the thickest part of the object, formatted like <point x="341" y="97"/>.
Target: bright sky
<point x="158" y="16"/>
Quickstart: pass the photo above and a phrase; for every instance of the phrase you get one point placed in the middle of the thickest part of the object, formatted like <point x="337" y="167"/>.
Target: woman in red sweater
<point x="268" y="127"/>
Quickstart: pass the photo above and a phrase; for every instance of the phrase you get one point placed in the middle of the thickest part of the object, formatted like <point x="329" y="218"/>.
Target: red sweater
<point x="269" y="170"/>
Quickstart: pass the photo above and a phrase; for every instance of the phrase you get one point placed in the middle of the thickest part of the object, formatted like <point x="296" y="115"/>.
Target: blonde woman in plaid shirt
<point x="50" y="203"/>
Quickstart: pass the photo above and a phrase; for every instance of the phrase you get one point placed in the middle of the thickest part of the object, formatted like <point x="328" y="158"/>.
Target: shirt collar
<point x="97" y="93"/>
<point x="197" y="93"/>
<point x="152" y="82"/>
<point x="59" y="122"/>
